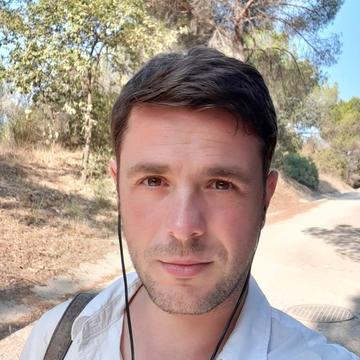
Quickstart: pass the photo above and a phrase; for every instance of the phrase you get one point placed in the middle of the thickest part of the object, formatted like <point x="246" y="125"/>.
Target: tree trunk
<point x="238" y="40"/>
<point x="89" y="122"/>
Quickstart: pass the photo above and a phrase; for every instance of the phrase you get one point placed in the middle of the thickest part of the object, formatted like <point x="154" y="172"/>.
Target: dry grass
<point x="49" y="220"/>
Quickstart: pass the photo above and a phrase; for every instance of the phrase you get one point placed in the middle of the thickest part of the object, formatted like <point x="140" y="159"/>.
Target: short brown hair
<point x="201" y="78"/>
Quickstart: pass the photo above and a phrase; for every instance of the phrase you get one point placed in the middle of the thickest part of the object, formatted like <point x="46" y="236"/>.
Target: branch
<point x="245" y="9"/>
<point x="281" y="50"/>
<point x="293" y="28"/>
<point x="94" y="44"/>
<point x="293" y="58"/>
<point x="299" y="7"/>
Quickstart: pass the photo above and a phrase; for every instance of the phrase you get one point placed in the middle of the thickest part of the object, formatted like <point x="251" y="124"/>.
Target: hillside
<point x="49" y="221"/>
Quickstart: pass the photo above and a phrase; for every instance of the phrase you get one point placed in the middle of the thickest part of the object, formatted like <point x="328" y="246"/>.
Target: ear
<point x="113" y="169"/>
<point x="271" y="182"/>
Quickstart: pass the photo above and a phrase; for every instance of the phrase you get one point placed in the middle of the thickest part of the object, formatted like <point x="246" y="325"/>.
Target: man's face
<point x="192" y="202"/>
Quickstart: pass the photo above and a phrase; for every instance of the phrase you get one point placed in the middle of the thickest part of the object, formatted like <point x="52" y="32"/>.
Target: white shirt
<point x="261" y="332"/>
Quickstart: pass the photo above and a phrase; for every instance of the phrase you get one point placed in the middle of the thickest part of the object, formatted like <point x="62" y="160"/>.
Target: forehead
<point x="167" y="133"/>
<point x="181" y="118"/>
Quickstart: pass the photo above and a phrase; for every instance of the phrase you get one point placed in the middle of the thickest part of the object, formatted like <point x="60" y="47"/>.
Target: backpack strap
<point x="60" y="341"/>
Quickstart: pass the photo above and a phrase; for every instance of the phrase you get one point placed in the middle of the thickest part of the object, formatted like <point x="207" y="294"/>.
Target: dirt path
<point x="314" y="258"/>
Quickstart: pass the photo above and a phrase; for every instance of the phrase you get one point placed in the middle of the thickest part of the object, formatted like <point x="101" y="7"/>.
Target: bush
<point x="301" y="169"/>
<point x="25" y="129"/>
<point x="29" y="126"/>
<point x="331" y="162"/>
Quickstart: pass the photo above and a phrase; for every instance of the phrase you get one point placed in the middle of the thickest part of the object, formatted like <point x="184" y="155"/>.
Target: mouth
<point x="184" y="268"/>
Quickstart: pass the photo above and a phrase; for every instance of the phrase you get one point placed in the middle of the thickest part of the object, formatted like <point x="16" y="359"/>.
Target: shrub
<point x="25" y="129"/>
<point x="301" y="169"/>
<point x="29" y="126"/>
<point x="331" y="162"/>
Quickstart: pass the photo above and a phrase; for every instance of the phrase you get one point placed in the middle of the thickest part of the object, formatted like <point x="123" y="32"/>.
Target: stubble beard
<point x="181" y="302"/>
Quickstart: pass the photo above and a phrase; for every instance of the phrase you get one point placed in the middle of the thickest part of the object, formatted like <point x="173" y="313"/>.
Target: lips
<point x="180" y="268"/>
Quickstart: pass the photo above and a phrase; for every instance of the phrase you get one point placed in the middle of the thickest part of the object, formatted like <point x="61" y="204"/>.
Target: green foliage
<point x="315" y="109"/>
<point x="301" y="169"/>
<point x="232" y="26"/>
<point x="70" y="58"/>
<point x="290" y="81"/>
<point x="55" y="51"/>
<point x="54" y="45"/>
<point x="289" y="142"/>
<point x="342" y="132"/>
<point x="103" y="101"/>
<point x="330" y="162"/>
<point x="336" y="147"/>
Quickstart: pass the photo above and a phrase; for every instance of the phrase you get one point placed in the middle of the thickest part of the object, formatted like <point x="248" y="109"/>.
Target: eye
<point x="152" y="181"/>
<point x="222" y="185"/>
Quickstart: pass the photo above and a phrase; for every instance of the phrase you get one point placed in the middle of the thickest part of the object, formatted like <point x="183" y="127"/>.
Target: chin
<point x="188" y="300"/>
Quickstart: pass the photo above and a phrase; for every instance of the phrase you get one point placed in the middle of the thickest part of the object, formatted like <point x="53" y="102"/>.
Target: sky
<point x="347" y="70"/>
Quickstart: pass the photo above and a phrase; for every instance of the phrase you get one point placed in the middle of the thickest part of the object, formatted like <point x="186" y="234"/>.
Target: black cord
<point x="231" y="318"/>
<point x="126" y="290"/>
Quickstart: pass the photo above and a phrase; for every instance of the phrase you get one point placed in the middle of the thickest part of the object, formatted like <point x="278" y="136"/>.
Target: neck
<point x="158" y="334"/>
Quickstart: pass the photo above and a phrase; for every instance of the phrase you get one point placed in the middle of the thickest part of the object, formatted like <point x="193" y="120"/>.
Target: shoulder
<point x="109" y="298"/>
<point x="40" y="336"/>
<point x="292" y="340"/>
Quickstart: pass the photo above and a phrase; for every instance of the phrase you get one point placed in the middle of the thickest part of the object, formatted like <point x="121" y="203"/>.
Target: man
<point x="194" y="136"/>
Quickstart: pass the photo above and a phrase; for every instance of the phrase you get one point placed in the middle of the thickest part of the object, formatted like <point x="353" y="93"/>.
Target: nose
<point x="185" y="218"/>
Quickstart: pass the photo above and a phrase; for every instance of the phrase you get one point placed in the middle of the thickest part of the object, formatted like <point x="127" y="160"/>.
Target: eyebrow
<point x="147" y="168"/>
<point x="233" y="172"/>
<point x="229" y="172"/>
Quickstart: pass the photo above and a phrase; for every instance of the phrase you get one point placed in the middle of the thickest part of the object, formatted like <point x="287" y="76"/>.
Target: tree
<point x="315" y="111"/>
<point x="56" y="49"/>
<point x="336" y="144"/>
<point x="233" y="25"/>
<point x="343" y="133"/>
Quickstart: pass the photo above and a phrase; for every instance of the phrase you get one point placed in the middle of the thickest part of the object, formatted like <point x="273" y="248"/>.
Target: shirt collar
<point x="107" y="307"/>
<point x="250" y="336"/>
